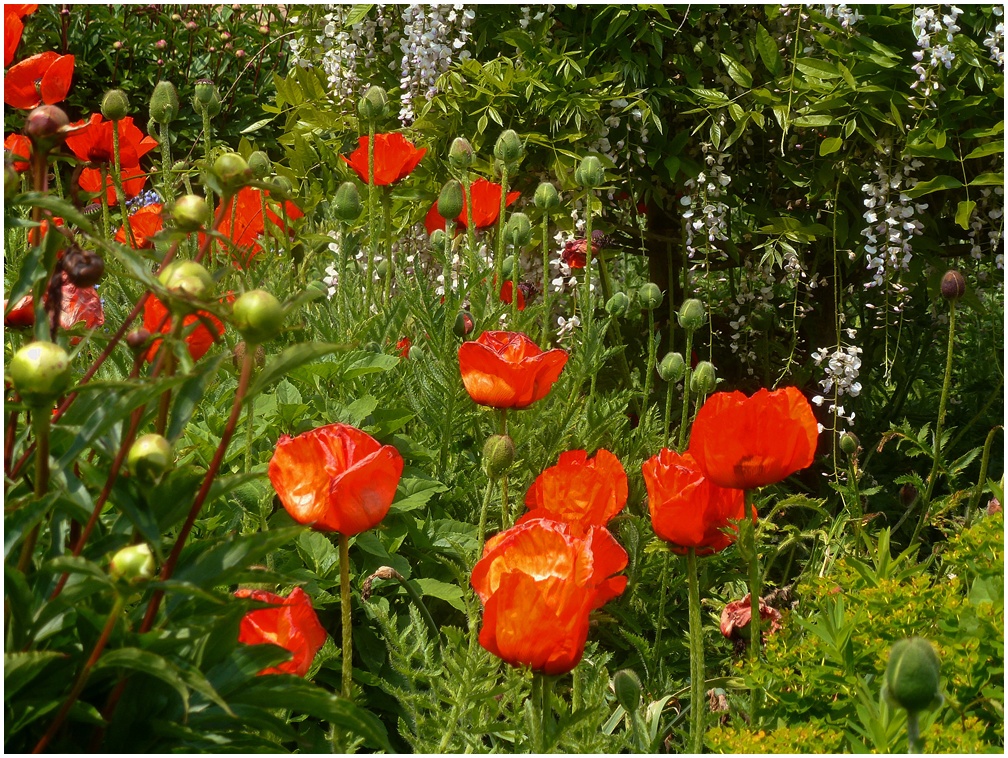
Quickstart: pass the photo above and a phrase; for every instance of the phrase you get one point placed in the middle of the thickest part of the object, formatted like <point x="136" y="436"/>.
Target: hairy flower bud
<point x="704" y="379"/>
<point x="463" y="324"/>
<point x="164" y="102"/>
<point x="519" y="230"/>
<point x="460" y="154"/>
<point x="546" y="197"/>
<point x="187" y="279"/>
<point x="83" y="268"/>
<point x="347" y="202"/>
<point x="953" y="285"/>
<point x="373" y="106"/>
<point x="440" y="242"/>
<point x="590" y="173"/>
<point x="206" y="97"/>
<point x="259" y="162"/>
<point x="650" y="296"/>
<point x="691" y="315"/>
<point x="40" y="372"/>
<point x="508" y="148"/>
<point x="150" y="457"/>
<point x="258" y="316"/>
<point x="232" y="172"/>
<point x="618" y="305"/>
<point x="133" y="563"/>
<point x="137" y="339"/>
<point x="912" y="676"/>
<point x="115" y="105"/>
<point x="498" y="455"/>
<point x="628" y="689"/>
<point x="449" y="203"/>
<point x="191" y="213"/>
<point x="849" y="443"/>
<point x="46" y="126"/>
<point x="672" y="367"/>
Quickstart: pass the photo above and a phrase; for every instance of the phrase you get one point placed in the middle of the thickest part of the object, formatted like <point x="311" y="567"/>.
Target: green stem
<point x="387" y="229"/>
<point x="668" y="411"/>
<point x="660" y="621"/>
<point x="40" y="426"/>
<point x="546" y="279"/>
<point x="372" y="236"/>
<point x="697" y="678"/>
<point x="206" y="152"/>
<point x="650" y="362"/>
<point x="538" y="713"/>
<point x="106" y="223"/>
<point x="166" y="183"/>
<point x="505" y="510"/>
<point x="470" y="229"/>
<point x="857" y="512"/>
<point x="586" y="306"/>
<point x="686" y="391"/>
<point x="754" y="598"/>
<point x="499" y="249"/>
<point x="265" y="219"/>
<point x="117" y="183"/>
<point x="344" y="560"/>
<point x="913" y="733"/>
<point x="975" y="496"/>
<point x="487" y="497"/>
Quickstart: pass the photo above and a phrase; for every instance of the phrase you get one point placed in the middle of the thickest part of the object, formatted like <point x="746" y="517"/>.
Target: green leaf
<point x="189" y="395"/>
<point x="991" y="148"/>
<point x="988" y="179"/>
<point x="144" y="661"/>
<point x="739" y="74"/>
<point x="318" y="552"/>
<point x="816" y="68"/>
<point x="768" y="52"/>
<point x="371" y="363"/>
<point x="207" y="563"/>
<point x="847" y="76"/>
<point x="256" y="126"/>
<point x="287" y="361"/>
<point x="814" y="120"/>
<point x="939" y="183"/>
<point x="963" y="212"/>
<point x="450" y="593"/>
<point x="830" y="145"/>
<point x="21" y="668"/>
<point x="415" y="490"/>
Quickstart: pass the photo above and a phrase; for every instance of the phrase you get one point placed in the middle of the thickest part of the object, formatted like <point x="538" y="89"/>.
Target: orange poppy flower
<point x="145" y="223"/>
<point x="746" y="442"/>
<point x="508" y="370"/>
<point x="506" y="296"/>
<point x="486" y="197"/>
<point x="335" y="478"/>
<point x="133" y="178"/>
<point x="395" y="157"/>
<point x="43" y="78"/>
<point x="403" y="347"/>
<point x="19" y="147"/>
<point x="538" y="583"/>
<point x="737" y="614"/>
<point x="248" y="224"/>
<point x="20" y="10"/>
<point x="687" y="510"/>
<point x="39" y="232"/>
<point x="93" y="144"/>
<point x="579" y="491"/>
<point x="199" y="339"/>
<point x="13" y="29"/>
<point x="291" y="624"/>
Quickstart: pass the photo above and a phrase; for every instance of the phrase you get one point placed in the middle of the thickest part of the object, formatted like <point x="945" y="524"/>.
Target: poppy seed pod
<point x="347" y="202"/>
<point x="40" y="372"/>
<point x="672" y="367"/>
<point x="188" y="279"/>
<point x="232" y="172"/>
<point x="704" y="379"/>
<point x="149" y="458"/>
<point x="628" y="689"/>
<point x="373" y="105"/>
<point x="164" y="102"/>
<point x="519" y="230"/>
<point x="206" y="97"/>
<point x="590" y="173"/>
<point x="508" y="148"/>
<point x="953" y="285"/>
<point x="133" y="563"/>
<point x="450" y="201"/>
<point x="912" y="675"/>
<point x="618" y="305"/>
<point x="498" y="455"/>
<point x="546" y="197"/>
<point x="460" y="154"/>
<point x="258" y="316"/>
<point x="115" y="105"/>
<point x="137" y="339"/>
<point x="650" y="296"/>
<point x="46" y="126"/>
<point x="259" y="162"/>
<point x="691" y="315"/>
<point x="191" y="213"/>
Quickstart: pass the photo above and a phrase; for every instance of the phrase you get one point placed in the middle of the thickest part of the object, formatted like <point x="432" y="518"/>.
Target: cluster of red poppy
<point x="42" y="78"/>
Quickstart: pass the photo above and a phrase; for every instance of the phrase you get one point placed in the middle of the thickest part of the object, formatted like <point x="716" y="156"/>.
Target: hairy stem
<point x="344" y="561"/>
<point x="697" y="679"/>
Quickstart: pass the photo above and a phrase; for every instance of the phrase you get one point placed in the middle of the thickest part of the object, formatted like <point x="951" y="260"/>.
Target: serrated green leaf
<point x="287" y="361"/>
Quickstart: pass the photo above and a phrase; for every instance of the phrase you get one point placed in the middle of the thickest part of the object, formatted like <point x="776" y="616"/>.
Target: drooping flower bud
<point x="347" y="203"/>
<point x="953" y="285"/>
<point x="164" y="103"/>
<point x="618" y="305"/>
<point x="83" y="268"/>
<point x="259" y="162"/>
<point x="373" y="106"/>
<point x="508" y="148"/>
<point x="546" y="197"/>
<point x="704" y="379"/>
<point x="628" y="689"/>
<point x="232" y="171"/>
<point x="519" y="230"/>
<point x="440" y="242"/>
<point x="115" y="105"/>
<point x="133" y="563"/>
<point x="498" y="455"/>
<point x="449" y="203"/>
<point x="913" y="674"/>
<point x="46" y="127"/>
<point x="138" y="339"/>
<point x="40" y="372"/>
<point x="590" y="173"/>
<point x="672" y="367"/>
<point x="191" y="213"/>
<point x="460" y="154"/>
<point x="258" y="316"/>
<point x="206" y="97"/>
<point x="463" y="324"/>
<point x="691" y="315"/>
<point x="187" y="279"/>
<point x="416" y="353"/>
<point x="150" y="457"/>
<point x="650" y="296"/>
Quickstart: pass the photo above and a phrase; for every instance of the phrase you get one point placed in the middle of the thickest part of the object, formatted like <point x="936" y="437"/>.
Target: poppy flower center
<point x="749" y="467"/>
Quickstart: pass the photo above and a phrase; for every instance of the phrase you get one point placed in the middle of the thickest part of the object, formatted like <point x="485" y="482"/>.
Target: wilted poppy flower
<point x="133" y="179"/>
<point x="248" y="224"/>
<point x="508" y="370"/>
<point x="94" y="143"/>
<point x="486" y="197"/>
<point x="291" y="624"/>
<point x="145" y="223"/>
<point x="335" y="478"/>
<point x="747" y="442"/>
<point x="579" y="491"/>
<point x="395" y="157"/>
<point x="506" y="294"/>
<point x="575" y="252"/>
<point x="19" y="147"/>
<point x="737" y="614"/>
<point x="538" y="583"/>
<point x="43" y="78"/>
<point x="77" y="304"/>
<point x="199" y="339"/>
<point x="687" y="510"/>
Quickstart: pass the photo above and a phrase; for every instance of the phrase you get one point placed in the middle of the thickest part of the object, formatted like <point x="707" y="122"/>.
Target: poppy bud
<point x="84" y="268"/>
<point x="703" y="380"/>
<point x="206" y="97"/>
<point x="672" y="367"/>
<point x="463" y="324"/>
<point x="518" y="230"/>
<point x="137" y="339"/>
<point x="46" y="126"/>
<point x="372" y="347"/>
<point x="460" y="154"/>
<point x="498" y="455"/>
<point x="590" y="173"/>
<point x="546" y="197"/>
<point x="650" y="296"/>
<point x="347" y="202"/>
<point x="259" y="162"/>
<point x="258" y="316"/>
<point x="508" y="148"/>
<point x="912" y="676"/>
<point x="416" y="353"/>
<point x="449" y="203"/>
<point x="849" y="443"/>
<point x="691" y="315"/>
<point x="953" y="285"/>
<point x="191" y="213"/>
<point x="907" y="495"/>
<point x="164" y="103"/>
<point x="40" y="372"/>
<point x="149" y="458"/>
<point x="373" y="105"/>
<point x="439" y="241"/>
<point x="133" y="563"/>
<point x="188" y="279"/>
<point x="382" y="268"/>
<point x="618" y="305"/>
<point x="115" y="105"/>
<point x="628" y="689"/>
<point x="507" y="265"/>
<point x="281" y="188"/>
<point x="232" y="172"/>
<point x="264" y="28"/>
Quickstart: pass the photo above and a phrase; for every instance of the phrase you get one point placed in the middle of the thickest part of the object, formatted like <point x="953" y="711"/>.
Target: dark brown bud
<point x="953" y="285"/>
<point x="84" y="268"/>
<point x="46" y="126"/>
<point x="138" y="339"/>
<point x="907" y="495"/>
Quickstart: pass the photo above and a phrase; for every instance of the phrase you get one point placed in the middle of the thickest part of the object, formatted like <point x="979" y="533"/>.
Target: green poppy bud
<point x="650" y="296"/>
<point x="507" y="265"/>
<point x="206" y="97"/>
<point x="953" y="285"/>
<point x="259" y="162"/>
<point x="440" y="241"/>
<point x="416" y="353"/>
<point x="849" y="443"/>
<point x="618" y="305"/>
<point x="187" y="279"/>
<point x="691" y="315"/>
<point x="258" y="316"/>
<point x="508" y="148"/>
<point x="115" y="105"/>
<point x="628" y="689"/>
<point x="164" y="103"/>
<point x="672" y="367"/>
<point x="12" y="180"/>
<point x="232" y="171"/>
<point x="463" y="324"/>
<point x="347" y="202"/>
<point x="518" y="230"/>
<point x="912" y="676"/>
<point x="382" y="268"/>
<point x="149" y="458"/>
<point x="281" y="188"/>
<point x="546" y="197"/>
<point x="460" y="154"/>
<point x="191" y="213"/>
<point x="133" y="563"/>
<point x="449" y="203"/>
<point x="40" y="372"/>
<point x="590" y="173"/>
<point x="498" y="455"/>
<point x="704" y="379"/>
<point x="373" y="106"/>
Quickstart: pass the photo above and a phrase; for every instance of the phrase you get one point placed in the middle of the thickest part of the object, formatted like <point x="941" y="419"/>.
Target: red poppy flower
<point x="12" y="35"/>
<point x="505" y="294"/>
<point x="538" y="584"/>
<point x="94" y="143"/>
<point x="687" y="510"/>
<point x="403" y="346"/>
<point x="145" y="223"/>
<point x="43" y="78"/>
<point x="291" y="624"/>
<point x="508" y="370"/>
<point x="39" y="232"/>
<point x="746" y="442"/>
<point x="395" y="157"/>
<point x="335" y="478"/>
<point x="198" y="339"/>
<point x="133" y="178"/>
<point x="738" y="613"/>
<point x="248" y="224"/>
<point x="19" y="147"/>
<point x="579" y="491"/>
<point x="20" y="10"/>
<point x="77" y="304"/>
<point x="486" y="197"/>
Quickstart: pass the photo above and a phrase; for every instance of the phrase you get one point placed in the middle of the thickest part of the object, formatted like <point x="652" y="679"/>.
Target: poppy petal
<point x="56" y="81"/>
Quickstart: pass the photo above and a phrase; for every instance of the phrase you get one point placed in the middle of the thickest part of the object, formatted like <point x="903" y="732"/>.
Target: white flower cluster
<point x="843" y="365"/>
<point x="988" y="214"/>
<point x="846" y="15"/>
<point x="890" y="214"/>
<point x="433" y="36"/>
<point x="995" y="39"/>
<point x="931" y="55"/>
<point x="707" y="215"/>
<point x="754" y="295"/>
